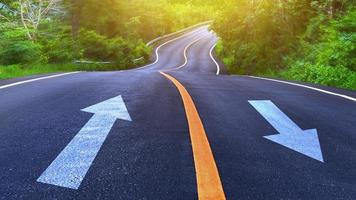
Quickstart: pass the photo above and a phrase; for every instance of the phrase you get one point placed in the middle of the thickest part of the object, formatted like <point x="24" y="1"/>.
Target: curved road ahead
<point x="175" y="130"/>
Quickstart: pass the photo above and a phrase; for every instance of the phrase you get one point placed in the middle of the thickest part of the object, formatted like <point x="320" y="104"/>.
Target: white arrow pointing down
<point x="71" y="165"/>
<point x="290" y="135"/>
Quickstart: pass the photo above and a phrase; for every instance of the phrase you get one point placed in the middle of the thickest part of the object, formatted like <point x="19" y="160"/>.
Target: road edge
<point x="306" y="86"/>
<point x="37" y="79"/>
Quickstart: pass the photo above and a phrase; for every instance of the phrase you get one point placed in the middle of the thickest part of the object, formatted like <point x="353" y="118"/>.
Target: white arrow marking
<point x="69" y="168"/>
<point x="290" y="135"/>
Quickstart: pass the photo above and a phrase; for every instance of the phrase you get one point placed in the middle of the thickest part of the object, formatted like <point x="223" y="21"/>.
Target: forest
<point x="303" y="40"/>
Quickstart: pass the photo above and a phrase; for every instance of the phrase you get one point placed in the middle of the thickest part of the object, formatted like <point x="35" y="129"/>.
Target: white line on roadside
<point x="185" y="54"/>
<point x="212" y="57"/>
<point x="309" y="87"/>
<point x="172" y="40"/>
<point x="36" y="79"/>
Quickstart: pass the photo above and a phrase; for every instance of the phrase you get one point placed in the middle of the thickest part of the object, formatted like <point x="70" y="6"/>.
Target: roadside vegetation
<point x="304" y="40"/>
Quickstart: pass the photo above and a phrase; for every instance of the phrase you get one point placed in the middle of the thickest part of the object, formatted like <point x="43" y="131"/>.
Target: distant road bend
<point x="179" y="128"/>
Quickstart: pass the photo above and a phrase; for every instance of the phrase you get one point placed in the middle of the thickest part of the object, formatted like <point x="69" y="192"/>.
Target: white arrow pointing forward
<point x="290" y="135"/>
<point x="69" y="168"/>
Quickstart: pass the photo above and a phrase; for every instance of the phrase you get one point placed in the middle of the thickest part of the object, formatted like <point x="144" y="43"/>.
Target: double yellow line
<point x="207" y="175"/>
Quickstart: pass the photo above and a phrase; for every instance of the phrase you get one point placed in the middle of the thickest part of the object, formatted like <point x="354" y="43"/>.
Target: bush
<point x="60" y="51"/>
<point x="93" y="45"/>
<point x="330" y="60"/>
<point x="121" y="51"/>
<point x="21" y="52"/>
<point x="15" y="48"/>
<point x="321" y="74"/>
<point x="58" y="44"/>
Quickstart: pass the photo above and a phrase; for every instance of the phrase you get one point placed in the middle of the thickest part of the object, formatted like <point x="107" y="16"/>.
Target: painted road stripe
<point x="185" y="54"/>
<point x="170" y="41"/>
<point x="207" y="175"/>
<point x="305" y="86"/>
<point x="36" y="79"/>
<point x="212" y="57"/>
<point x="71" y="165"/>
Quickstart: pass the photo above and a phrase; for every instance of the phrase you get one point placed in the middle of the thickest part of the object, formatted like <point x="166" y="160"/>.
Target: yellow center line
<point x="208" y="179"/>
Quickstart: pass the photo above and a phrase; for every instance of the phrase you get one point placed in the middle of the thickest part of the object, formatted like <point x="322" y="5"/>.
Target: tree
<point x="32" y="13"/>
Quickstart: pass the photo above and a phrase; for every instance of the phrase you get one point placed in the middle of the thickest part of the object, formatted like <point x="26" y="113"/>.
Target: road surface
<point x="175" y="130"/>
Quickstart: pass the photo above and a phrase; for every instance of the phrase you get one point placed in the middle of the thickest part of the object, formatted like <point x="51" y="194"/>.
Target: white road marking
<point x="185" y="54"/>
<point x="35" y="79"/>
<point x="309" y="87"/>
<point x="174" y="39"/>
<point x="290" y="135"/>
<point x="71" y="165"/>
<point x="212" y="57"/>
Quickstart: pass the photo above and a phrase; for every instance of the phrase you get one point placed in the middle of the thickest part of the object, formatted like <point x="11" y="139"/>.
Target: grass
<point x="339" y="77"/>
<point x="13" y="71"/>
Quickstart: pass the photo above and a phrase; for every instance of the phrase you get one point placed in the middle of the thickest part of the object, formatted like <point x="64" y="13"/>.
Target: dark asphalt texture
<point x="151" y="157"/>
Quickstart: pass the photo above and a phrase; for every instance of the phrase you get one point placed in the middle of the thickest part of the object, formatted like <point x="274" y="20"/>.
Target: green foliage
<point x="58" y="44"/>
<point x="98" y="47"/>
<point x="11" y="71"/>
<point x="108" y="30"/>
<point x="330" y="59"/>
<point x="334" y="44"/>
<point x="142" y="19"/>
<point x="16" y="49"/>
<point x="93" y="45"/>
<point x="337" y="44"/>
<point x="257" y="34"/>
<point x="60" y="50"/>
<point x="21" y="52"/>
<point x="321" y="74"/>
<point x="303" y="40"/>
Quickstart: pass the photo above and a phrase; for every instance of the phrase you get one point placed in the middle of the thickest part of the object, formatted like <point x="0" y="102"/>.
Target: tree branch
<point x="24" y="21"/>
<point x="7" y="19"/>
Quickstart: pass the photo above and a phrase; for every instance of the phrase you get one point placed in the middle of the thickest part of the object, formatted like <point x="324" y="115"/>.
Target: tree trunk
<point x="23" y="21"/>
<point x="75" y="15"/>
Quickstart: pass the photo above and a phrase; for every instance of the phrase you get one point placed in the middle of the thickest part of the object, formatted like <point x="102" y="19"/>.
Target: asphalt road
<point x="157" y="155"/>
